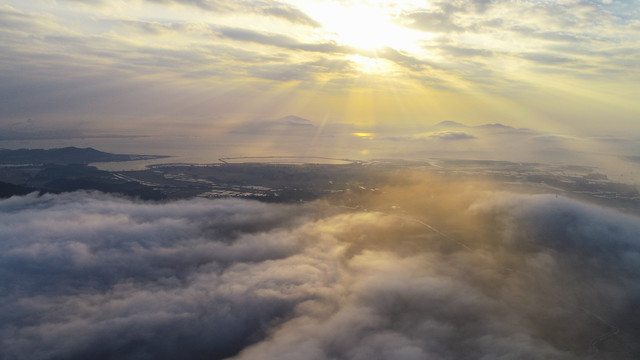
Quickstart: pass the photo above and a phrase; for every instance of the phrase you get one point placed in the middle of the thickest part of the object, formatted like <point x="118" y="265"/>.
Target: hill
<point x="67" y="155"/>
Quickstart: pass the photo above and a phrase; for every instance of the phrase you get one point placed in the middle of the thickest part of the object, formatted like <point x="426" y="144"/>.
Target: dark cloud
<point x="432" y="269"/>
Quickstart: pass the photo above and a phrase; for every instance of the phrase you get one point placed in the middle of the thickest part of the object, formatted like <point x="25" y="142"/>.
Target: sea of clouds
<point x="432" y="271"/>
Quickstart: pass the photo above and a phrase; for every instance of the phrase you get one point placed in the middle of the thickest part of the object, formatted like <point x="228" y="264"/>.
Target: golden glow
<point x="356" y="65"/>
<point x="366" y="25"/>
<point x="370" y="65"/>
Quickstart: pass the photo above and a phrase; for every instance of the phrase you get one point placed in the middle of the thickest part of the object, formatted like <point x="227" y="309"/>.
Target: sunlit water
<point x="329" y="149"/>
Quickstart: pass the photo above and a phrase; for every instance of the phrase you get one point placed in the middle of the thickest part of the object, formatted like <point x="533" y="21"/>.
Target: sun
<point x="366" y="25"/>
<point x="370" y="65"/>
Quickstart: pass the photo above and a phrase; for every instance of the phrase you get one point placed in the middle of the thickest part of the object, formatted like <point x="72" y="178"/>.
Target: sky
<point x="208" y="68"/>
<point x="425" y="267"/>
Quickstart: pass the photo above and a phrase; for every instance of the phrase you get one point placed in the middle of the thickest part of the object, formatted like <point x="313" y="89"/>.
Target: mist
<point x="423" y="269"/>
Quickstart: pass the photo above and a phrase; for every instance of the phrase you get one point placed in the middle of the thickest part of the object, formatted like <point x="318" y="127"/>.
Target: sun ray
<point x="366" y="25"/>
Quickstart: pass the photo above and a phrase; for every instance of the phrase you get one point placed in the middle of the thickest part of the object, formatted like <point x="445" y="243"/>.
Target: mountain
<point x="294" y="121"/>
<point x="448" y="124"/>
<point x="67" y="155"/>
<point x="496" y="126"/>
<point x="289" y="124"/>
<point x="8" y="190"/>
<point x="59" y="178"/>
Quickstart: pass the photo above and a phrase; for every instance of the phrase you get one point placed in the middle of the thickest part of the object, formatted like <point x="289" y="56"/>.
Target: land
<point x="66" y="169"/>
<point x="295" y="182"/>
<point x="67" y="155"/>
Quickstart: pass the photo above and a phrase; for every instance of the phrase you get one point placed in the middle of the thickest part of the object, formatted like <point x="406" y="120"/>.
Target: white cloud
<point x="90" y="276"/>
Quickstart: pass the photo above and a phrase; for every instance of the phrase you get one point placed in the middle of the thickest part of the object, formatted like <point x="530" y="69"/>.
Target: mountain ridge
<point x="66" y="155"/>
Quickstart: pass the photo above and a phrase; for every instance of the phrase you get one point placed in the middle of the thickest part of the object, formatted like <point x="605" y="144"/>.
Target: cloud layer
<point x="429" y="270"/>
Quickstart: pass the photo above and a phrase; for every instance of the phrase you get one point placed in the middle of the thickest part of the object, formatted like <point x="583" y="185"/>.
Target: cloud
<point x="546" y="58"/>
<point x="291" y="125"/>
<point x="146" y="274"/>
<point x="283" y="41"/>
<point x="289" y="13"/>
<point x="431" y="21"/>
<point x="158" y="28"/>
<point x="241" y="34"/>
<point x="451" y="135"/>
<point x="460" y="51"/>
<point x="15" y="21"/>
<point x="274" y="9"/>
<point x="560" y="37"/>
<point x="209" y="5"/>
<point x="632" y="158"/>
<point x="330" y="47"/>
<point x="453" y="270"/>
<point x="33" y="129"/>
<point x="446" y="135"/>
<point x="465" y="47"/>
<point x="402" y="59"/>
<point x="552" y="138"/>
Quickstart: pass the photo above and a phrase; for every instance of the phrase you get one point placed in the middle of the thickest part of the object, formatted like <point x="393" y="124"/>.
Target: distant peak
<point x="450" y="124"/>
<point x="77" y="149"/>
<point x="295" y="120"/>
<point x="495" y="126"/>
